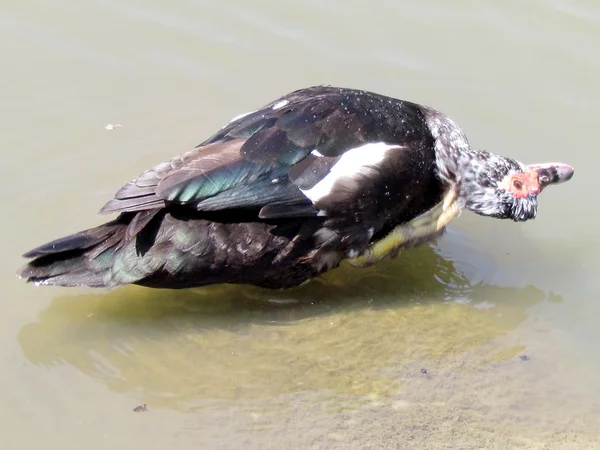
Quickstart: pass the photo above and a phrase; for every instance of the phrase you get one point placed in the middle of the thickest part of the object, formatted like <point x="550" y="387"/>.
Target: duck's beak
<point x="552" y="173"/>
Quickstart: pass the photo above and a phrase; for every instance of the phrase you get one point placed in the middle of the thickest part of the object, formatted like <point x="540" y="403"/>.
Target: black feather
<point x="141" y="203"/>
<point x="312" y="169"/>
<point x="133" y="190"/>
<point x="276" y="188"/>
<point x="272" y="145"/>
<point x="287" y="211"/>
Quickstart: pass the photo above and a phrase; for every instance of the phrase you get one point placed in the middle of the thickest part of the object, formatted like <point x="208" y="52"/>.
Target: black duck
<point x="287" y="192"/>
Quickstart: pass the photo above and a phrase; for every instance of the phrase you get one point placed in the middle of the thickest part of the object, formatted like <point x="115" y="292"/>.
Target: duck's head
<point x="496" y="186"/>
<point x="485" y="183"/>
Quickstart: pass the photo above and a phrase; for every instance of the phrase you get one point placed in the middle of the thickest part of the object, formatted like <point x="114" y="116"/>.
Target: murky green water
<point x="423" y="351"/>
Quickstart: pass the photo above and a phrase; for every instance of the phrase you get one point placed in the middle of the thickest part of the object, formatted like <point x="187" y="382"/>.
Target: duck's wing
<point x="296" y="156"/>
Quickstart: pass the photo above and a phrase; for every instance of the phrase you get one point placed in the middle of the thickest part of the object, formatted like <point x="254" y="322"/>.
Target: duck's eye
<point x="517" y="184"/>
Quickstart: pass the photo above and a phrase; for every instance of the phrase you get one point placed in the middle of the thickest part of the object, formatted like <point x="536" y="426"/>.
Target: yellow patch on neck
<point x="426" y="226"/>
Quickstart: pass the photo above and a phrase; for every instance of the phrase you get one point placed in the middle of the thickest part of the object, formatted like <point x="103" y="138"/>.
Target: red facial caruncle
<point x="522" y="185"/>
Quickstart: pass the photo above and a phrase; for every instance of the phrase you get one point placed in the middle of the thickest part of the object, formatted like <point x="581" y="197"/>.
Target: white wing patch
<point x="357" y="161"/>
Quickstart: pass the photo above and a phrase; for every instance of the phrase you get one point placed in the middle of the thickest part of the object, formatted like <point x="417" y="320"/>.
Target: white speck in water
<point x="280" y="104"/>
<point x="112" y="126"/>
<point x="275" y="180"/>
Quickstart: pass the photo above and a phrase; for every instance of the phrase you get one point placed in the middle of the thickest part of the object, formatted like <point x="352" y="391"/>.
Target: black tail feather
<point x="78" y="241"/>
<point x="81" y="259"/>
<point x="179" y="249"/>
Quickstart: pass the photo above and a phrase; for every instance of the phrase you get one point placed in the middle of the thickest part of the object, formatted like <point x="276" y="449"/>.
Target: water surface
<point x="487" y="337"/>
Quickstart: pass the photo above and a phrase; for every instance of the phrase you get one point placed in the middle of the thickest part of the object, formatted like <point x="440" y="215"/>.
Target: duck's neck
<point x="454" y="157"/>
<point x="473" y="175"/>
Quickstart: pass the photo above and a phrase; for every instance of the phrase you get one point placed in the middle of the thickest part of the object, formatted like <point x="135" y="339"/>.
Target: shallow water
<point x="485" y="338"/>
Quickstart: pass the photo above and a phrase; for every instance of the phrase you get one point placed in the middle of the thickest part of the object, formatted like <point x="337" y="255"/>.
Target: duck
<point x="283" y="194"/>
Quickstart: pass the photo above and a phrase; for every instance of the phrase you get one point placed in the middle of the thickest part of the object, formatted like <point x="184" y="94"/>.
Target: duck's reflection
<point x="175" y="348"/>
